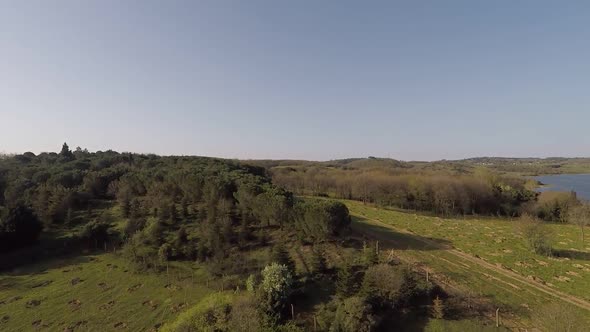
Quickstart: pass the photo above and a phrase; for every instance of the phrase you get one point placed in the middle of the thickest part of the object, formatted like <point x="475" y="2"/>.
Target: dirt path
<point x="512" y="276"/>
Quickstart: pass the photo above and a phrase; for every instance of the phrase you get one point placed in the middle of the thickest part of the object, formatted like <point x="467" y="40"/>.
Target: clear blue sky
<point x="412" y="80"/>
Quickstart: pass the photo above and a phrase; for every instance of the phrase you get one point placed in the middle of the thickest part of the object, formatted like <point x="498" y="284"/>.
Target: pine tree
<point x="173" y="214"/>
<point x="125" y="207"/>
<point x="184" y="208"/>
<point x="370" y="255"/>
<point x="280" y="255"/>
<point x="438" y="308"/>
<point x="345" y="280"/>
<point x="65" y="151"/>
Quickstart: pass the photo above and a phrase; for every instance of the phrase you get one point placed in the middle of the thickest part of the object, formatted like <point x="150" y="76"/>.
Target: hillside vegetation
<point x="103" y="240"/>
<point x="446" y="192"/>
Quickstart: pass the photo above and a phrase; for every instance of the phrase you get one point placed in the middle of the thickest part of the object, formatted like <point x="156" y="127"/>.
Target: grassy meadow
<point x="492" y="240"/>
<point x="96" y="293"/>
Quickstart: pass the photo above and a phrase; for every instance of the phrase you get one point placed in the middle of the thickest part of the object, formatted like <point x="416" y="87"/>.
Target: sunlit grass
<point x="100" y="292"/>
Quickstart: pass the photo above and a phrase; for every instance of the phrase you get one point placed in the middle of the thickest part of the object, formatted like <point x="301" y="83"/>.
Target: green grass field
<point x="492" y="240"/>
<point x="498" y="241"/>
<point x="96" y="292"/>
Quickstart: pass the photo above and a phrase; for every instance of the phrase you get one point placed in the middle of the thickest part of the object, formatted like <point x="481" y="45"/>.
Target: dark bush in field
<point x="317" y="219"/>
<point x="20" y="227"/>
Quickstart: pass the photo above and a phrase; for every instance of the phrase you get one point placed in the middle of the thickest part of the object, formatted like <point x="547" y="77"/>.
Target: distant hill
<point x="508" y="165"/>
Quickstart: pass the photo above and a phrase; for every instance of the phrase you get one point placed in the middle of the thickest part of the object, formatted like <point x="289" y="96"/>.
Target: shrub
<point x="317" y="220"/>
<point x="277" y="281"/>
<point x="354" y="314"/>
<point x="96" y="231"/>
<point x="557" y="317"/>
<point x="276" y="287"/>
<point x="252" y="283"/>
<point x="210" y="314"/>
<point x="19" y="228"/>
<point x="539" y="238"/>
<point x="345" y="280"/>
<point x="387" y="286"/>
<point x="370" y="255"/>
<point x="244" y="315"/>
<point x="438" y="308"/>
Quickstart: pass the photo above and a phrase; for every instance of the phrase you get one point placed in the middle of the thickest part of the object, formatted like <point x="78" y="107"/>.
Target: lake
<point x="580" y="183"/>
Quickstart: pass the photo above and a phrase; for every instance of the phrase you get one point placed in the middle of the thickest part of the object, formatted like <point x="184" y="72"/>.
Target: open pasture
<point x="498" y="241"/>
<point x="95" y="293"/>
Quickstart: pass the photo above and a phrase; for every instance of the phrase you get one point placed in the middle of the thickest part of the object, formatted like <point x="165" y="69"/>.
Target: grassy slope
<point x="494" y="240"/>
<point x="94" y="312"/>
<point x="498" y="241"/>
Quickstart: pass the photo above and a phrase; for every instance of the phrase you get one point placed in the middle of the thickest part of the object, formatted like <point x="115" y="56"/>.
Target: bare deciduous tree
<point x="580" y="215"/>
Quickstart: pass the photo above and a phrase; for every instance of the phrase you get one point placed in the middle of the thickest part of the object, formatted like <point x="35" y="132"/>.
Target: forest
<point x="443" y="192"/>
<point x="155" y="210"/>
<point x="247" y="223"/>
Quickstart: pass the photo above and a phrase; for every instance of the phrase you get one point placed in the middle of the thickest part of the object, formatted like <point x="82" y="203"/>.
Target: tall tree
<point x="345" y="280"/>
<point x="65" y="151"/>
<point x="580" y="215"/>
<point x="280" y="255"/>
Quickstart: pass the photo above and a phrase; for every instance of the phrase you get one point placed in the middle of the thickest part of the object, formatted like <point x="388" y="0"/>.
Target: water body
<point x="580" y="183"/>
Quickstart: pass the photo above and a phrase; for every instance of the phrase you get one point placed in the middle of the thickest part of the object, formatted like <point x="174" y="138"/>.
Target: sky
<point x="318" y="80"/>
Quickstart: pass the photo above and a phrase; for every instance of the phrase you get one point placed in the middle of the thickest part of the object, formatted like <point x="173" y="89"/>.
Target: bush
<point x="210" y="314"/>
<point x="276" y="286"/>
<point x="354" y="314"/>
<point x="252" y="283"/>
<point x="276" y="281"/>
<point x="387" y="286"/>
<point x="96" y="231"/>
<point x="133" y="225"/>
<point x="370" y="255"/>
<point x="557" y="317"/>
<point x="19" y="228"/>
<point x="345" y="280"/>
<point x="317" y="220"/>
<point x="244" y="315"/>
<point x="438" y="308"/>
<point x="539" y="238"/>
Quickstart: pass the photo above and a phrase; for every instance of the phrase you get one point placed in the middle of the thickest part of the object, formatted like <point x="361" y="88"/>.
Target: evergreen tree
<point x="65" y="151"/>
<point x="345" y="280"/>
<point x="370" y="255"/>
<point x="276" y="287"/>
<point x="184" y="208"/>
<point x="438" y="308"/>
<point x="173" y="214"/>
<point x="280" y="255"/>
<point x="125" y="207"/>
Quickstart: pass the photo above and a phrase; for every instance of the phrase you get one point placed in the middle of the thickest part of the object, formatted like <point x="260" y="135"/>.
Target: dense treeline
<point x="442" y="192"/>
<point x="171" y="207"/>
